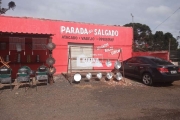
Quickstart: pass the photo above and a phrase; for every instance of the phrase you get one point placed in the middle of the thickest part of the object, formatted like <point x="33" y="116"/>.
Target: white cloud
<point x="160" y="10"/>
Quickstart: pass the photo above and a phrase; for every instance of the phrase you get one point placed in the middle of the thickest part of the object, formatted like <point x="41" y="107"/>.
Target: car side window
<point x="160" y="61"/>
<point x="132" y="60"/>
<point x="142" y="61"/>
<point x="137" y="60"/>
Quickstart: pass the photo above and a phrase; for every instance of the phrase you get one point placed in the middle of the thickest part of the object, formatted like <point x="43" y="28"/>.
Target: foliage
<point x="144" y="40"/>
<point x="163" y="41"/>
<point x="142" y="34"/>
<point x="11" y="5"/>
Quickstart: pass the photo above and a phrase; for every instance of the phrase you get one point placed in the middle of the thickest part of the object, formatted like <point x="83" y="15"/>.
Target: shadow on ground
<point x="158" y="84"/>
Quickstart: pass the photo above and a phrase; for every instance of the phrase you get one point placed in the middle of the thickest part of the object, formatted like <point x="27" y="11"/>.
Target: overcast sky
<point x="110" y="12"/>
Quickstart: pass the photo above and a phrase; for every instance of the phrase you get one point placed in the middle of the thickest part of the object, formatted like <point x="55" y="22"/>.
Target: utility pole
<point x="178" y="37"/>
<point x="169" y="47"/>
<point x="132" y="20"/>
<point x="133" y="31"/>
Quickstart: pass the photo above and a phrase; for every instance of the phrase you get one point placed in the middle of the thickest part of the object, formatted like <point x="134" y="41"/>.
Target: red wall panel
<point x="115" y="37"/>
<point x="160" y="54"/>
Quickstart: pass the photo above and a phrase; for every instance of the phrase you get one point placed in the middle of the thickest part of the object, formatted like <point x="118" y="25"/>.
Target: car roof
<point x="147" y="57"/>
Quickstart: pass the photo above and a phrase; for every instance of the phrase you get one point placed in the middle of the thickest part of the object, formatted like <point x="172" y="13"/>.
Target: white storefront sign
<point x="83" y="61"/>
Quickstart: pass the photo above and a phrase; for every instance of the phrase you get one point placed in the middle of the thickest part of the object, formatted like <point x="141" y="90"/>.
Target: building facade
<point x="23" y="42"/>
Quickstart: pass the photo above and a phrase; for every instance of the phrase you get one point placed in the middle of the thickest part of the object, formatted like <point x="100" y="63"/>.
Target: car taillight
<point x="163" y="70"/>
<point x="179" y="70"/>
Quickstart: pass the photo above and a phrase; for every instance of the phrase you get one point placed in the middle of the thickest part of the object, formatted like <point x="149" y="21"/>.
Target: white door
<point x="77" y="50"/>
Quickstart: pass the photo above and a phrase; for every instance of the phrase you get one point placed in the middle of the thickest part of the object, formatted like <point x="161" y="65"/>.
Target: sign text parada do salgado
<point x="76" y="30"/>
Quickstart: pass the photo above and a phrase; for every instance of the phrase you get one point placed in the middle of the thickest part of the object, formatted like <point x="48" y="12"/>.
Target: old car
<point x="150" y="69"/>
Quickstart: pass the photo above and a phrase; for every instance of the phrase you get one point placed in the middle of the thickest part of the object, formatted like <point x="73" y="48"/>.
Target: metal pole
<point x="178" y="37"/>
<point x="132" y="21"/>
<point x="69" y="58"/>
<point x="0" y="7"/>
<point x="169" y="47"/>
<point x="133" y="31"/>
<point x="0" y="4"/>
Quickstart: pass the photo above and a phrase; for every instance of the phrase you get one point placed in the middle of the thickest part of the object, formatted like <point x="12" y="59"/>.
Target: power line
<point x="166" y="19"/>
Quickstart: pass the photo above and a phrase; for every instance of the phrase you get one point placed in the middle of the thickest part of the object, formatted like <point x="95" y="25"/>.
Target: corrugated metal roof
<point x="11" y="32"/>
<point x="46" y="19"/>
<point x="25" y="26"/>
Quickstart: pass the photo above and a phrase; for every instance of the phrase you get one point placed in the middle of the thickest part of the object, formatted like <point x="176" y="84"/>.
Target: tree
<point x="142" y="36"/>
<point x="11" y="5"/>
<point x="158" y="41"/>
<point x="172" y="41"/>
<point x="144" y="40"/>
<point x="162" y="41"/>
<point x="178" y="37"/>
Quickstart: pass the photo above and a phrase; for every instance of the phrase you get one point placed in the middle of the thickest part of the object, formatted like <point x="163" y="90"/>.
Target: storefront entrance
<point x="77" y="50"/>
<point x="23" y="50"/>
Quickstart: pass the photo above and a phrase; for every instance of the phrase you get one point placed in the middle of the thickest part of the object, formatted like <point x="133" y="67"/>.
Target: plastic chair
<point x="5" y="76"/>
<point x="24" y="75"/>
<point x="41" y="75"/>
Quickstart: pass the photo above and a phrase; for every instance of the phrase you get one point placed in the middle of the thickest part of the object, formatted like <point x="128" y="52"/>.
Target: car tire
<point x="147" y="79"/>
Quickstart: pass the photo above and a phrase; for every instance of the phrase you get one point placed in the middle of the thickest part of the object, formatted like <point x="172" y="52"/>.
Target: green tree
<point x="173" y="41"/>
<point x="157" y="41"/>
<point x="162" y="41"/>
<point x="11" y="5"/>
<point x="142" y="36"/>
<point x="144" y="40"/>
<point x="178" y="38"/>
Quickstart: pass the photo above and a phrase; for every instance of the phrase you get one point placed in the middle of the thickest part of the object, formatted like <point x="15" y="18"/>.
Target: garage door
<point x="78" y="50"/>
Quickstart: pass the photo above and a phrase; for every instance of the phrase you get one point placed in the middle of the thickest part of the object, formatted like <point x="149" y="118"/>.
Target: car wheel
<point x="147" y="79"/>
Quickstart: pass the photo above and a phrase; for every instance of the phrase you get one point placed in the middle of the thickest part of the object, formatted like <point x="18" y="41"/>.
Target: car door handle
<point x="130" y="66"/>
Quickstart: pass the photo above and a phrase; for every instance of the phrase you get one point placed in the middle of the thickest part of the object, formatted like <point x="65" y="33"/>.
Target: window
<point x="16" y="43"/>
<point x="143" y="61"/>
<point x="160" y="61"/>
<point x="39" y="43"/>
<point x="132" y="60"/>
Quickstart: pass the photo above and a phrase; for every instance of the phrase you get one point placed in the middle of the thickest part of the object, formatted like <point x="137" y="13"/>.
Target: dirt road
<point x="93" y="100"/>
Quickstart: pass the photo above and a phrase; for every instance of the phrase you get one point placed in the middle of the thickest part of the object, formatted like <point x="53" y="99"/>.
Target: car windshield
<point x="160" y="61"/>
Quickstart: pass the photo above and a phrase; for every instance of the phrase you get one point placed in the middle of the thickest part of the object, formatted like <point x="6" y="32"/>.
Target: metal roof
<point x="25" y="26"/>
<point x="28" y="33"/>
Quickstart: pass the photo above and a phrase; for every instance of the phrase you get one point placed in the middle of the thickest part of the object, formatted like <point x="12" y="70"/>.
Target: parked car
<point x="150" y="69"/>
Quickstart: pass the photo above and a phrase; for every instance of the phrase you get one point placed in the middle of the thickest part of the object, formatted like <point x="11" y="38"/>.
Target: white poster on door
<point x="84" y="61"/>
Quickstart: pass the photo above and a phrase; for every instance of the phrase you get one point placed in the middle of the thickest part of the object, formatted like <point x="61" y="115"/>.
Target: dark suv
<point x="150" y="69"/>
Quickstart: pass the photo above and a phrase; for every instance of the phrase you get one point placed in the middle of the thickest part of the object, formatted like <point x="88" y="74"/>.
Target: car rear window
<point x="161" y="61"/>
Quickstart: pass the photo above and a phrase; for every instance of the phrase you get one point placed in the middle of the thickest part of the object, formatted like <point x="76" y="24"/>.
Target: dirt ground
<point x="91" y="100"/>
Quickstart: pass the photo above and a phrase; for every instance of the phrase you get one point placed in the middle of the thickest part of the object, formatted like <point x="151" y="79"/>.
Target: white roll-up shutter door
<point x="77" y="50"/>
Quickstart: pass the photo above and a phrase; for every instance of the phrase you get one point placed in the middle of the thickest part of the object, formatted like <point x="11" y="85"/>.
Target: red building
<point x="32" y="34"/>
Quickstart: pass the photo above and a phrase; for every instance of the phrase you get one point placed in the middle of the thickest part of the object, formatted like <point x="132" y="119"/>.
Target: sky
<point x="159" y="15"/>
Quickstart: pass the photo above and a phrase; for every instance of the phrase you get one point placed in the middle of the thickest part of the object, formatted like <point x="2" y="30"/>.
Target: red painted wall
<point x="73" y="32"/>
<point x="160" y="54"/>
<point x="13" y="55"/>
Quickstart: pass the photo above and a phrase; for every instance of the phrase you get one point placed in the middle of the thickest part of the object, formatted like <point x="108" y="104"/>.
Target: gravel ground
<point x="91" y="100"/>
